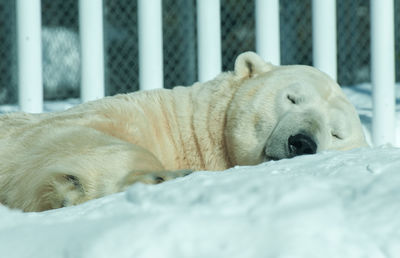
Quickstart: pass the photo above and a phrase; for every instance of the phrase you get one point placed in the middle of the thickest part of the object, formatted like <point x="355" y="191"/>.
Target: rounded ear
<point x="249" y="64"/>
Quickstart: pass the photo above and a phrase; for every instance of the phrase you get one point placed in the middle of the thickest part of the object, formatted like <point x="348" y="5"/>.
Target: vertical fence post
<point x="150" y="44"/>
<point x="267" y="30"/>
<point x="92" y="49"/>
<point x="29" y="56"/>
<point x="209" y="39"/>
<point x="324" y="36"/>
<point x="383" y="71"/>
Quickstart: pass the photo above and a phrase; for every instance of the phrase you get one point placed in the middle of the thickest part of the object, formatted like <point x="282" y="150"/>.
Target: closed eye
<point x="336" y="136"/>
<point x="291" y="99"/>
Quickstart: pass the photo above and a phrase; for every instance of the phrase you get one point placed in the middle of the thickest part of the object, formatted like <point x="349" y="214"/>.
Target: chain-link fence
<point x="8" y="53"/>
<point x="61" y="53"/>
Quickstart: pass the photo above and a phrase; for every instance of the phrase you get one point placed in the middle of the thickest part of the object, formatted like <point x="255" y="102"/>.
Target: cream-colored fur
<point x="239" y="118"/>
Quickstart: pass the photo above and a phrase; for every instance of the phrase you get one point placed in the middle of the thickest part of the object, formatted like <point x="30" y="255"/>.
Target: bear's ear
<point x="249" y="64"/>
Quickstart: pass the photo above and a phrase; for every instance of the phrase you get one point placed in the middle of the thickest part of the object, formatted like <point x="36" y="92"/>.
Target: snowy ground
<point x="333" y="204"/>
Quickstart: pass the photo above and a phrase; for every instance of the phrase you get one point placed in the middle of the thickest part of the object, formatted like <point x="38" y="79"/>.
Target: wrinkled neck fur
<point x="209" y="105"/>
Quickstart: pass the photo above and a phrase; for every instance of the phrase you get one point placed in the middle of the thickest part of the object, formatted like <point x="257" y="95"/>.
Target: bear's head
<point x="284" y="111"/>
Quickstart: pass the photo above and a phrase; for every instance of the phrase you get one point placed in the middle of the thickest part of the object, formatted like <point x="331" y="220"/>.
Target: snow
<point x="333" y="204"/>
<point x="360" y="96"/>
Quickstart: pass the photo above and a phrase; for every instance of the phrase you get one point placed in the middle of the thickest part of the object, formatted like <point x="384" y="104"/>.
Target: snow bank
<point x="334" y="204"/>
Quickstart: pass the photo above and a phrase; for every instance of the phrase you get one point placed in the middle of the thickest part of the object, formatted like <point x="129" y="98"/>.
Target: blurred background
<point x="61" y="49"/>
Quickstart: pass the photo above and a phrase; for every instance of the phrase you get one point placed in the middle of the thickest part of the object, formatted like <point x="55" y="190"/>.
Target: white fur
<point x="239" y="118"/>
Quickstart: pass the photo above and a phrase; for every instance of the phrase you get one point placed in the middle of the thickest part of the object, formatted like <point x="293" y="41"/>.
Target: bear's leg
<point x="70" y="165"/>
<point x="64" y="190"/>
<point x="152" y="177"/>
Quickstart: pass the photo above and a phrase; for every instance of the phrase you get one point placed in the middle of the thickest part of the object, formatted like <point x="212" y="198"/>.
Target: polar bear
<point x="258" y="112"/>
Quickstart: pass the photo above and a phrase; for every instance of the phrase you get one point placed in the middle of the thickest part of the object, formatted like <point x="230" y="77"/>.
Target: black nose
<point x="301" y="144"/>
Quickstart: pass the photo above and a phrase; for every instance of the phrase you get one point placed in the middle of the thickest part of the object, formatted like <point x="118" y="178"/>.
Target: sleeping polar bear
<point x="257" y="113"/>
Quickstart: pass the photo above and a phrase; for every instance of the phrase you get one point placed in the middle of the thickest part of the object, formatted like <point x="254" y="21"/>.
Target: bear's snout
<point x="301" y="144"/>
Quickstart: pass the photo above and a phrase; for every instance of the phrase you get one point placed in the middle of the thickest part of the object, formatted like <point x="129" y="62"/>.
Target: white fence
<point x="209" y="49"/>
